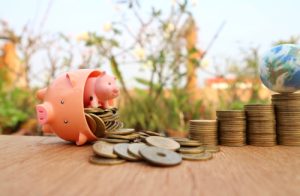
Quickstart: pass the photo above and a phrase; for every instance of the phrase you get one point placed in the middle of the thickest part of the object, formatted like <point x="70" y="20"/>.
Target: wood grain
<point x="50" y="166"/>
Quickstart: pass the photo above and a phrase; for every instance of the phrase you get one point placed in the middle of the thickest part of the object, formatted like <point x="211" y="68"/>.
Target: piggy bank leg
<point x="82" y="139"/>
<point x="47" y="129"/>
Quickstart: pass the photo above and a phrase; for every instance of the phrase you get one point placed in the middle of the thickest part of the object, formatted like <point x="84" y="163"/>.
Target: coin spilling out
<point x="197" y="157"/>
<point x="121" y="132"/>
<point x="232" y="127"/>
<point x="104" y="149"/>
<point x="134" y="149"/>
<point x="203" y="131"/>
<point x="115" y="149"/>
<point x="114" y="140"/>
<point x="152" y="133"/>
<point x="163" y="142"/>
<point x="100" y="126"/>
<point x="105" y="120"/>
<point x="131" y="136"/>
<point x="261" y="125"/>
<point x="122" y="151"/>
<point x="287" y="107"/>
<point x="105" y="161"/>
<point x="160" y="156"/>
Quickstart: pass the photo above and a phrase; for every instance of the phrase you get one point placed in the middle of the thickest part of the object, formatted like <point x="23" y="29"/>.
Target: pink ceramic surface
<point x="62" y="110"/>
<point x="100" y="91"/>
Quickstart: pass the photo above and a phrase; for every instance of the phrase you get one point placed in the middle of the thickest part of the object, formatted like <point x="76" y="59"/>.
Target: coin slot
<point x="161" y="154"/>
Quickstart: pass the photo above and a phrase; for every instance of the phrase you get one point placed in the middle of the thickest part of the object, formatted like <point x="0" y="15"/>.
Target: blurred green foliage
<point x="160" y="101"/>
<point x="17" y="105"/>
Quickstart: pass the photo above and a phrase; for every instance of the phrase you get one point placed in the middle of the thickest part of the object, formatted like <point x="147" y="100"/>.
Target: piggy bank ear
<point x="70" y="79"/>
<point x="102" y="74"/>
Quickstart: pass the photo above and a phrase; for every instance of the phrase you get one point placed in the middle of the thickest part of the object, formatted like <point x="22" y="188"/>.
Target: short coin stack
<point x="204" y="131"/>
<point x="124" y="145"/>
<point x="232" y="127"/>
<point x="101" y="121"/>
<point x="287" y="107"/>
<point x="261" y="125"/>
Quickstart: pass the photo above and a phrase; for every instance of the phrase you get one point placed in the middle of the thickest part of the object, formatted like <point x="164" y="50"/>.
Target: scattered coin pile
<point x="124" y="145"/>
<point x="232" y="127"/>
<point x="261" y="125"/>
<point x="101" y="121"/>
<point x="287" y="107"/>
<point x="204" y="131"/>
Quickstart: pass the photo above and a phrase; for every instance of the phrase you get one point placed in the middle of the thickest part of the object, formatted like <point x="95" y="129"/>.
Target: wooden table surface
<point x="31" y="165"/>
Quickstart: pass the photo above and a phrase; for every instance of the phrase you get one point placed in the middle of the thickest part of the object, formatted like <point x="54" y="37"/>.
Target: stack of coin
<point x="204" y="131"/>
<point x="261" y="125"/>
<point x="232" y="127"/>
<point x="124" y="145"/>
<point x="287" y="107"/>
<point x="101" y="120"/>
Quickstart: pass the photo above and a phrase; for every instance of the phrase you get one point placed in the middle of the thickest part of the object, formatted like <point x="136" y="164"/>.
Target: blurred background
<point x="175" y="60"/>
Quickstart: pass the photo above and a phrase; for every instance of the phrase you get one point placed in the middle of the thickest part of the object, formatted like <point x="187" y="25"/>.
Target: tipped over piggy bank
<point x="62" y="110"/>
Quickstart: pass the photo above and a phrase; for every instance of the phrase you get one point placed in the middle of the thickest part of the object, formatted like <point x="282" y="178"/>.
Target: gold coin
<point x="196" y="150"/>
<point x="105" y="161"/>
<point x="190" y="143"/>
<point x="100" y="131"/>
<point x="122" y="151"/>
<point x="237" y="144"/>
<point x="180" y="139"/>
<point x="162" y="142"/>
<point x="208" y="122"/>
<point x="197" y="157"/>
<point x="104" y="149"/>
<point x="212" y="149"/>
<point x="160" y="156"/>
<point x="152" y="133"/>
<point x="91" y="123"/>
<point x="110" y="140"/>
<point x="131" y="136"/>
<point x="93" y="110"/>
<point x="121" y="132"/>
<point x="135" y="148"/>
<point x="144" y="134"/>
<point x="112" y="126"/>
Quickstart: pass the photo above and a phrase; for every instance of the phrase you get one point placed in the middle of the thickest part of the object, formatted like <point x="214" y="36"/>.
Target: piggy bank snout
<point x="43" y="112"/>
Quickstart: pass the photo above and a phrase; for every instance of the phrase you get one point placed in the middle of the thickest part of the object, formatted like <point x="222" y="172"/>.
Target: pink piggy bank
<point x="100" y="91"/>
<point x="62" y="110"/>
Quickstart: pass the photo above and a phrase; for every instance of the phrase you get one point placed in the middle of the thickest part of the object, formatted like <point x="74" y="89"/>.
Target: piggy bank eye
<point x="109" y="83"/>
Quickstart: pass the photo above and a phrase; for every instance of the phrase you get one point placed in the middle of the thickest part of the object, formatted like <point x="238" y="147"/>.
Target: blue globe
<point x="280" y="68"/>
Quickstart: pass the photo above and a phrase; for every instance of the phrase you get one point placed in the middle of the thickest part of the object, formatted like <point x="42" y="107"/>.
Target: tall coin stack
<point x="287" y="108"/>
<point x="204" y="131"/>
<point x="232" y="127"/>
<point x="261" y="125"/>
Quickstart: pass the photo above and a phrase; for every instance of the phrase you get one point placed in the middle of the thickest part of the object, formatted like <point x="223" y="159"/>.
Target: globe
<point x="280" y="68"/>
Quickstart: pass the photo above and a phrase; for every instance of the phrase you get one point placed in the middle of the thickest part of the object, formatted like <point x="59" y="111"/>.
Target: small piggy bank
<point x="100" y="91"/>
<point x="62" y="110"/>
